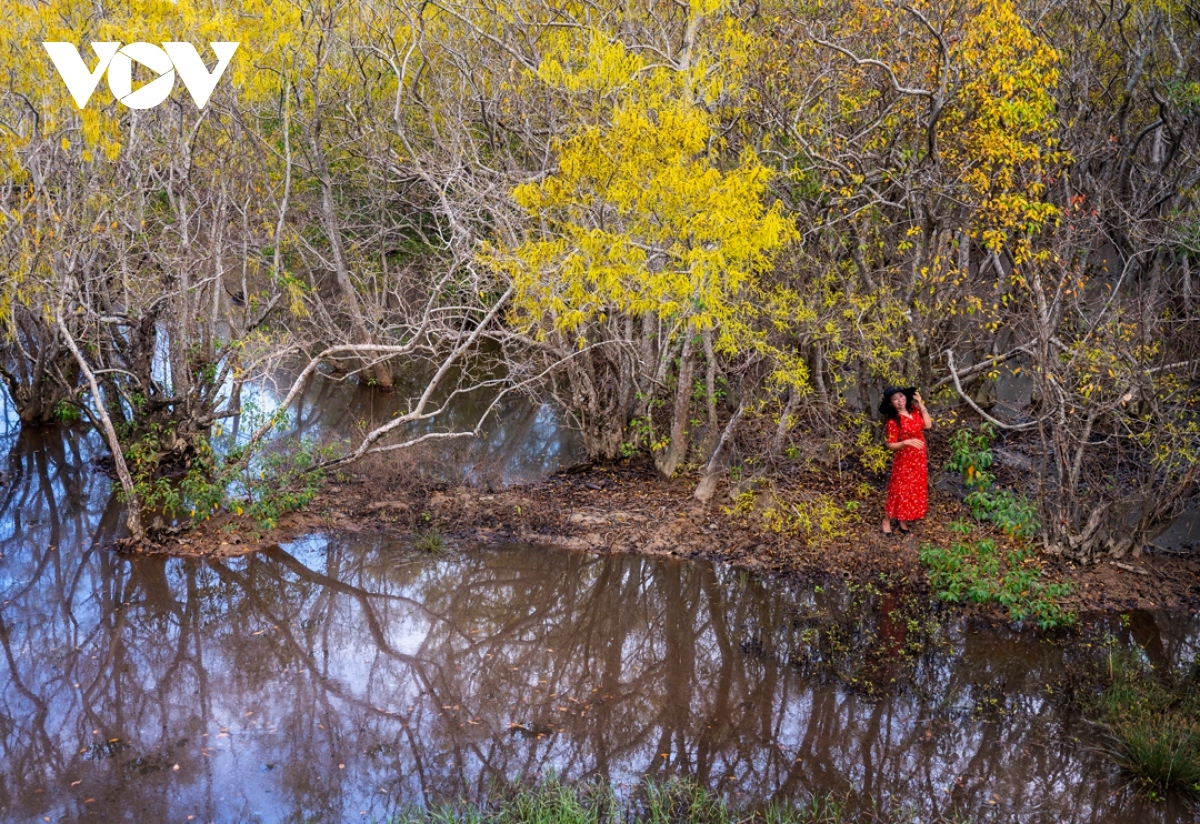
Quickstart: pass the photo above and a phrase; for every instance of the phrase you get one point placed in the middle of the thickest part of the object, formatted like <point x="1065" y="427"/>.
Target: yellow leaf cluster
<point x="645" y="214"/>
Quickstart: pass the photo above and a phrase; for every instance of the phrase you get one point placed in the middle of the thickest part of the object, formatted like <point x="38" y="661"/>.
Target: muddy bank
<point x="628" y="508"/>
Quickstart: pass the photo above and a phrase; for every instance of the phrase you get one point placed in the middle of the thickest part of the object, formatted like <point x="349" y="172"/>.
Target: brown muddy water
<point x="343" y="678"/>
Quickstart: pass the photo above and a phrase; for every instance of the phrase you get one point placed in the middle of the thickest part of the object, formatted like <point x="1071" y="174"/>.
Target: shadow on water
<point x="342" y="678"/>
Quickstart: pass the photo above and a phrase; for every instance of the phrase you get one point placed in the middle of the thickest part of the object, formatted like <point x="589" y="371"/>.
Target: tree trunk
<point x="717" y="462"/>
<point x="712" y="424"/>
<point x="677" y="448"/>
<point x="380" y="374"/>
<point x="133" y="504"/>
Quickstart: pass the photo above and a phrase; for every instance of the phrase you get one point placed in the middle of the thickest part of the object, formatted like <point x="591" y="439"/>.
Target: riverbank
<point x="626" y="507"/>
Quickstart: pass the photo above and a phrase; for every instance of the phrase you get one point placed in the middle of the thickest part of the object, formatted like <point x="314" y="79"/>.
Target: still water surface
<point x="342" y="678"/>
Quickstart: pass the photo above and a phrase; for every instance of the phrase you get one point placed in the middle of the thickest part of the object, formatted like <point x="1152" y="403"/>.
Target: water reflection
<point x="520" y="441"/>
<point x="342" y="679"/>
<point x="49" y="488"/>
<point x="336" y="679"/>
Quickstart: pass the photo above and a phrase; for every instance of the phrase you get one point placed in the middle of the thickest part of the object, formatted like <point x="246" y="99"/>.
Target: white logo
<point x="118" y="61"/>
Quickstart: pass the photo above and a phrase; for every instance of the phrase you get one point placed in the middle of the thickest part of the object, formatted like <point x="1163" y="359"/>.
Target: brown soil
<point x="629" y="508"/>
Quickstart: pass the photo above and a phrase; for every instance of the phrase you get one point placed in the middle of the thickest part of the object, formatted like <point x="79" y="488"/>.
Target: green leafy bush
<point x="979" y="572"/>
<point x="971" y="456"/>
<point x="67" y="412"/>
<point x="284" y="479"/>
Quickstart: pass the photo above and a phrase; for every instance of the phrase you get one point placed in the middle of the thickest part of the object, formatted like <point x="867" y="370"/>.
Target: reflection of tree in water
<point x="522" y="440"/>
<point x="261" y="676"/>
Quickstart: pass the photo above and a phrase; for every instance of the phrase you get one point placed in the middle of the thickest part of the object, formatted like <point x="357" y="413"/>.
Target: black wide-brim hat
<point x="885" y="405"/>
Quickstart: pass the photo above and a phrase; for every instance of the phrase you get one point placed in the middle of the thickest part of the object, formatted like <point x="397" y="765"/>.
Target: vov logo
<point x="118" y="60"/>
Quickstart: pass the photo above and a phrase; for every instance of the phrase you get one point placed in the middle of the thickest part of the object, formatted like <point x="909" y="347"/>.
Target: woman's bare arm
<point x="925" y="419"/>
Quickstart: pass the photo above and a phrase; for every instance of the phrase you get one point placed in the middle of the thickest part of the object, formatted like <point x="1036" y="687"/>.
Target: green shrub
<point x="1154" y="724"/>
<point x="979" y="572"/>
<point x="286" y="480"/>
<point x="67" y="412"/>
<point x="971" y="456"/>
<point x="283" y="480"/>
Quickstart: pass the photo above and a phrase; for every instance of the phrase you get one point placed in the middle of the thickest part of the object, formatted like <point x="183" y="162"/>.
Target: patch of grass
<point x="430" y="540"/>
<point x="675" y="801"/>
<point x="1154" y="723"/>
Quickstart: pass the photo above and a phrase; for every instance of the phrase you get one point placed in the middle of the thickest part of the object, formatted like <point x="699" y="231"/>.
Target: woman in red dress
<point x="908" y="488"/>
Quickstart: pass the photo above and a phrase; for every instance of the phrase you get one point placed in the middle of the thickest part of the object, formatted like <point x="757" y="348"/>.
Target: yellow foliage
<point x="1000" y="132"/>
<point x="645" y="214"/>
<point x="815" y="519"/>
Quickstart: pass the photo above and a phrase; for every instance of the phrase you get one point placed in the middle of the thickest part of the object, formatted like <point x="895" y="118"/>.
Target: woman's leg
<point x="887" y="525"/>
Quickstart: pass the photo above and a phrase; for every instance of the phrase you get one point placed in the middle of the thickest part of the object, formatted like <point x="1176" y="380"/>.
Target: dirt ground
<point x="628" y="508"/>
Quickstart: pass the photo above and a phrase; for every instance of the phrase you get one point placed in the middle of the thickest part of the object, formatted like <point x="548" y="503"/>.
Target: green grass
<point x="431" y="540"/>
<point x="670" y="802"/>
<point x="1154" y="725"/>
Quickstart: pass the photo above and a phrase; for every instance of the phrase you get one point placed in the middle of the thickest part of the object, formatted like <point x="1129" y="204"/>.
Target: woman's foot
<point x="887" y="526"/>
<point x="904" y="529"/>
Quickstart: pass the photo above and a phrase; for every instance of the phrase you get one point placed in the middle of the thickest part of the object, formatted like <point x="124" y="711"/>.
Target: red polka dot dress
<point x="908" y="489"/>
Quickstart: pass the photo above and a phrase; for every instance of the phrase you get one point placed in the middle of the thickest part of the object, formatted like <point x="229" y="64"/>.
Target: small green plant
<point x="959" y="527"/>
<point x="700" y="391"/>
<point x="1014" y="514"/>
<point x="67" y="412"/>
<point x="1154" y="725"/>
<point x="642" y="435"/>
<point x="981" y="573"/>
<point x="971" y="456"/>
<point x="430" y="540"/>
